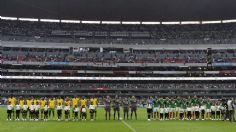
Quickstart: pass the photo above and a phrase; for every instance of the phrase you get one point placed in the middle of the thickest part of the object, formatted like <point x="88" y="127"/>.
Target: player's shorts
<point x="189" y="109"/>
<point x="171" y="109"/>
<point x="156" y="109"/>
<point x="133" y="109"/>
<point x="116" y="109"/>
<point x="149" y="110"/>
<point x="107" y="108"/>
<point x="166" y="110"/>
<point x="9" y="111"/>
<point x="202" y="108"/>
<point x="162" y="110"/>
<point x="181" y="110"/>
<point x="208" y="110"/>
<point x="177" y="109"/>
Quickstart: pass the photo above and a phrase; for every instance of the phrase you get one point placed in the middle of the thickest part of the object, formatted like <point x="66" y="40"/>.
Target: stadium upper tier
<point x="113" y="56"/>
<point x="224" y="33"/>
<point x="140" y="88"/>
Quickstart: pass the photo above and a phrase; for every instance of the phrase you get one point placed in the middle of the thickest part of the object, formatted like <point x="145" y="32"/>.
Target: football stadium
<point x="117" y="65"/>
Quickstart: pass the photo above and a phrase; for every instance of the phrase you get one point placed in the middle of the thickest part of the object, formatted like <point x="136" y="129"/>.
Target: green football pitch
<point x="101" y="125"/>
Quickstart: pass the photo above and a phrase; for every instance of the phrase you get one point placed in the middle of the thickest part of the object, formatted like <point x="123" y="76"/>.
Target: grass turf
<point x="101" y="125"/>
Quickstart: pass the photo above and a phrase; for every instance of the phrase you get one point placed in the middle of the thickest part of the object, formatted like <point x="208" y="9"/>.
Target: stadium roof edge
<point x="121" y="22"/>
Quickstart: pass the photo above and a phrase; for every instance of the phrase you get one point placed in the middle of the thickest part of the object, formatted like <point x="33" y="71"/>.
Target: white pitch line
<point x="130" y="127"/>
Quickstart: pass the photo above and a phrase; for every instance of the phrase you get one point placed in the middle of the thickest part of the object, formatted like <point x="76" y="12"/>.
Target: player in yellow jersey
<point x="51" y="104"/>
<point x="36" y="100"/>
<point x="60" y="101"/>
<point x="68" y="101"/>
<point x="29" y="101"/>
<point x="83" y="102"/>
<point x="68" y="104"/>
<point x="94" y="101"/>
<point x="43" y="102"/>
<point x="75" y="101"/>
<point x="21" y="102"/>
<point x="12" y="99"/>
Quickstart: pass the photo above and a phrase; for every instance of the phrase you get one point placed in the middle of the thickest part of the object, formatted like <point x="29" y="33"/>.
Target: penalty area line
<point x="129" y="126"/>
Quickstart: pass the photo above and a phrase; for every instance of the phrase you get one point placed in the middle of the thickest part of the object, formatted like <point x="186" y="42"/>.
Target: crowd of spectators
<point x="118" y="33"/>
<point x="120" y="86"/>
<point x="135" y="56"/>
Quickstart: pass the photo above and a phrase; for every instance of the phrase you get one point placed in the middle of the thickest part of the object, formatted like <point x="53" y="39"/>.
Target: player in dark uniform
<point x="116" y="107"/>
<point x="126" y="108"/>
<point x="107" y="104"/>
<point x="133" y="102"/>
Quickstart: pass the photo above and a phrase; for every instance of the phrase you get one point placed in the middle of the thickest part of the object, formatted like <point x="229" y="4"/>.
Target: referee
<point x="230" y="105"/>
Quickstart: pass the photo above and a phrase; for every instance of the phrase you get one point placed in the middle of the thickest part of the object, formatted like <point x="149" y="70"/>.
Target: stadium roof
<point x="121" y="10"/>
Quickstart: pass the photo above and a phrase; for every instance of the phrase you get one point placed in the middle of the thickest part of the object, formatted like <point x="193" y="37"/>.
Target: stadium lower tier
<point x="88" y="88"/>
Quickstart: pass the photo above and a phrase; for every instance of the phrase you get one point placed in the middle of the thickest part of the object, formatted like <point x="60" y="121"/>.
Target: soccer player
<point x="59" y="111"/>
<point x="31" y="108"/>
<point x="51" y="110"/>
<point x="162" y="109"/>
<point x="92" y="110"/>
<point x="37" y="108"/>
<point x="208" y="109"/>
<point x="182" y="109"/>
<point x="76" y="111"/>
<point x="107" y="104"/>
<point x="45" y="111"/>
<point x="178" y="103"/>
<point x="133" y="102"/>
<point x="116" y="107"/>
<point x="126" y="108"/>
<point x="149" y="109"/>
<point x="18" y="109"/>
<point x="195" y="105"/>
<point x="156" y="108"/>
<point x="43" y="101"/>
<point x="83" y="102"/>
<point x="9" y="110"/>
<point x="95" y="103"/>
<point x="213" y="111"/>
<point x="218" y="110"/>
<point x="167" y="108"/>
<point x="203" y="108"/>
<point x="189" y="109"/>
<point x="172" y="113"/>
<point x="12" y="99"/>
<point x="83" y="113"/>
<point x="24" y="111"/>
<point x="67" y="112"/>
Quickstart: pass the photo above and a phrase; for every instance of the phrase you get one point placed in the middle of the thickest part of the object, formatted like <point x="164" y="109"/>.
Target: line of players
<point x="188" y="109"/>
<point x="45" y="108"/>
<point x="32" y="108"/>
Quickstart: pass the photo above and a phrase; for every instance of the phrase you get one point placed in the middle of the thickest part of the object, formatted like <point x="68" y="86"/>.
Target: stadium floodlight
<point x="8" y="18"/>
<point x="49" y="20"/>
<point x="29" y="19"/>
<point x="126" y="22"/>
<point x="70" y="21"/>
<point x="211" y="22"/>
<point x="91" y="22"/>
<point x="170" y="23"/>
<point x="151" y="23"/>
<point x="111" y="22"/>
<point x="190" y="22"/>
<point x="229" y="21"/>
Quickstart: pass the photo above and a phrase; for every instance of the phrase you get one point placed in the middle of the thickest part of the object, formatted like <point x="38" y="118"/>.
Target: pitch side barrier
<point x="120" y="78"/>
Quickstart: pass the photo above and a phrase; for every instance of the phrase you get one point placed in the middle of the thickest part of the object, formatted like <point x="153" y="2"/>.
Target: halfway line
<point x="130" y="127"/>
